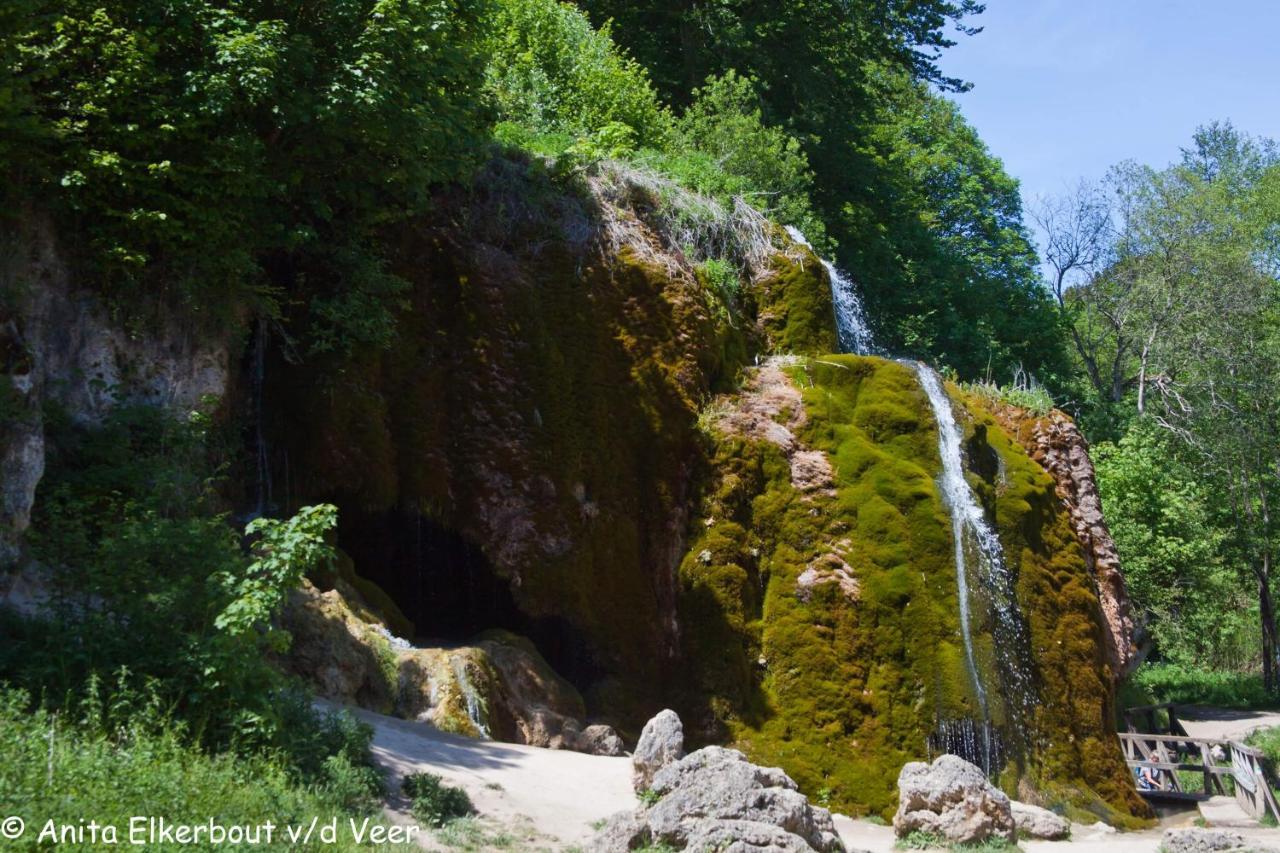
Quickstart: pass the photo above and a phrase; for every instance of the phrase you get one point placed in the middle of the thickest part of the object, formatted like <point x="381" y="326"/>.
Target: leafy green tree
<point x="1187" y="313"/>
<point x="943" y="258"/>
<point x="1172" y="543"/>
<point x="550" y="71"/>
<point x="233" y="153"/>
<point x="722" y="147"/>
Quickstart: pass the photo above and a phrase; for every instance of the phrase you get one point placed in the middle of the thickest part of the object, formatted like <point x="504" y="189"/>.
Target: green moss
<point x="793" y="306"/>
<point x="1077" y="763"/>
<point x="849" y="690"/>
<point x="842" y="692"/>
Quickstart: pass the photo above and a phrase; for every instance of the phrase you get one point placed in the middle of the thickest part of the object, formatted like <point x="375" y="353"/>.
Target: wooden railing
<point x="1157" y="758"/>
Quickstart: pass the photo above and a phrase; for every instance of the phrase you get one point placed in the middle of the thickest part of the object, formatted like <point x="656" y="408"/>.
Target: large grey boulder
<point x="1195" y="840"/>
<point x="714" y="799"/>
<point x="661" y="742"/>
<point x="951" y="798"/>
<point x="1041" y="824"/>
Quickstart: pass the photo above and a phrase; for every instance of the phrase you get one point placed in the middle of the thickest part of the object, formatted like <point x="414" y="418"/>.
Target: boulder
<point x="714" y="799"/>
<point x="599" y="739"/>
<point x="1195" y="840"/>
<point x="951" y="798"/>
<point x="1041" y="824"/>
<point x="661" y="742"/>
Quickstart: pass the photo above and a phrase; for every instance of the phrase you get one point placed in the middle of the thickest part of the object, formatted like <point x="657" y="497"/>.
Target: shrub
<point x="1180" y="684"/>
<point x="108" y="760"/>
<point x="146" y="574"/>
<point x="434" y="802"/>
<point x="722" y="147"/>
<point x="551" y="71"/>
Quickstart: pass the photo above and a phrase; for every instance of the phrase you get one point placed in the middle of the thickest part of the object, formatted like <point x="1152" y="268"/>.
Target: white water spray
<point x="851" y="319"/>
<point x="969" y="528"/>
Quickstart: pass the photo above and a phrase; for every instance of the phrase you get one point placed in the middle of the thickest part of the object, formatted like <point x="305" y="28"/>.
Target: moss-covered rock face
<point x="541" y="450"/>
<point x="821" y="622"/>
<point x="523" y="455"/>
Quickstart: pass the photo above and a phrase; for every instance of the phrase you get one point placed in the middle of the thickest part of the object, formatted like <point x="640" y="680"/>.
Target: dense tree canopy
<point x="1175" y="316"/>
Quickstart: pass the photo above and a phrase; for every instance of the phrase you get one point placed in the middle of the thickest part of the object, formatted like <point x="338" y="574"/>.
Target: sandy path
<point x="551" y="798"/>
<point x="555" y="793"/>
<point x="1223" y="723"/>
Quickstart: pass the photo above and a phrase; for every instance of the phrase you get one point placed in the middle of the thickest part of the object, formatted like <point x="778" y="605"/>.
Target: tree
<point x="230" y="152"/>
<point x="1186" y="314"/>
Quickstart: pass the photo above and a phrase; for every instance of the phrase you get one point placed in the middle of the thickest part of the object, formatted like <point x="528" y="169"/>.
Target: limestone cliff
<point x="1056" y="443"/>
<point x="60" y="347"/>
<point x="586" y="434"/>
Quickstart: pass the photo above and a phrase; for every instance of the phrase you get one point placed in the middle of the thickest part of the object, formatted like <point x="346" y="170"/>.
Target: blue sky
<point x="1065" y="88"/>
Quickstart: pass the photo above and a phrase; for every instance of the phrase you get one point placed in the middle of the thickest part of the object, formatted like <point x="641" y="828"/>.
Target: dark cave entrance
<point x="445" y="585"/>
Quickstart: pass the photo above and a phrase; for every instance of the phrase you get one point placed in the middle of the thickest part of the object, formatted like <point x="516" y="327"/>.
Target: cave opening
<point x="448" y="589"/>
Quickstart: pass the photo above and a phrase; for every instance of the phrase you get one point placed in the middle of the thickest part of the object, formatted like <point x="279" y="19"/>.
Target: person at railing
<point x="1147" y="780"/>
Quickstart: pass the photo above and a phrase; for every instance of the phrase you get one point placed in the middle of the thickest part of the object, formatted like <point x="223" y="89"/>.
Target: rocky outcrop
<point x="1042" y="824"/>
<point x="59" y="344"/>
<point x="496" y="686"/>
<point x="661" y="743"/>
<point x="1056" y="443"/>
<point x="1198" y="840"/>
<point x="714" y="799"/>
<point x="951" y="798"/>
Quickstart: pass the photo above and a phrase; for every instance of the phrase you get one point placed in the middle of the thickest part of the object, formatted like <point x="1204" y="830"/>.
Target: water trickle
<point x="257" y="387"/>
<point x="476" y="711"/>
<point x="851" y="318"/>
<point x="972" y="535"/>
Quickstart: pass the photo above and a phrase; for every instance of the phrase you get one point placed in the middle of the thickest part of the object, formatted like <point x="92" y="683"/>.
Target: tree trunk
<point x="1266" y="612"/>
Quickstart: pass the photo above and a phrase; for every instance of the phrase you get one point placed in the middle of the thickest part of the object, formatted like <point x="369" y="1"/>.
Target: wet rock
<point x="1042" y="824"/>
<point x="661" y="742"/>
<point x="714" y="799"/>
<point x="1057" y="444"/>
<point x="951" y="798"/>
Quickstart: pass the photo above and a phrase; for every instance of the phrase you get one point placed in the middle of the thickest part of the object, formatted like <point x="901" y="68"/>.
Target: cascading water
<point x="980" y="741"/>
<point x="972" y="534"/>
<point x="851" y="319"/>
<point x="258" y="383"/>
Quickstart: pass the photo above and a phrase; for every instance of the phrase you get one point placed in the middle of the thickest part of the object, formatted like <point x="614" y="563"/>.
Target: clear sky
<point x="1065" y="88"/>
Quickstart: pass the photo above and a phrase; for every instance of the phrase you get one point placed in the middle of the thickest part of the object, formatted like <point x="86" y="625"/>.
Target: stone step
<point x="1225" y="811"/>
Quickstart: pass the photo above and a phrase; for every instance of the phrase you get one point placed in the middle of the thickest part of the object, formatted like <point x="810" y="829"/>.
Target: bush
<point x="550" y="71"/>
<point x="145" y="574"/>
<point x="723" y="148"/>
<point x="108" y="761"/>
<point x="434" y="802"/>
<point x="225" y="152"/>
<point x="1267" y="740"/>
<point x="1185" y="685"/>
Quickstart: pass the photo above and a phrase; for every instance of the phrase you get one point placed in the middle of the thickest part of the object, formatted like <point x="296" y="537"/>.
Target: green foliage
<point x="434" y="802"/>
<point x="471" y="834"/>
<point x="110" y="757"/>
<point x="1268" y="741"/>
<point x="648" y="797"/>
<point x="245" y="152"/>
<point x="550" y="71"/>
<point x="285" y="551"/>
<point x="1186" y="685"/>
<point x="146" y="574"/>
<point x="722" y="147"/>
<point x="1032" y="398"/>
<point x="1171" y="541"/>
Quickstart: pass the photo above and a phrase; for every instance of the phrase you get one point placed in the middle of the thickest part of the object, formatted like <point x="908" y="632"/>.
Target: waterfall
<point x="851" y="319"/>
<point x="257" y="387"/>
<point x="476" y="710"/>
<point x="973" y="535"/>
